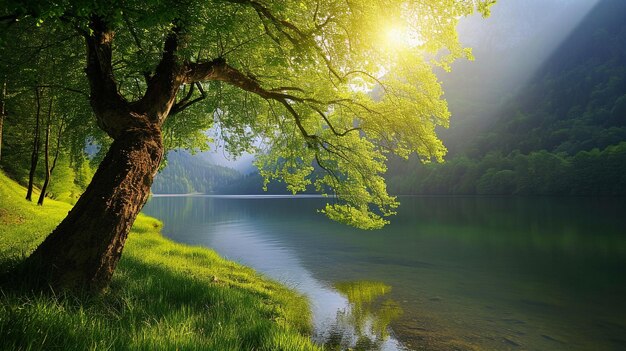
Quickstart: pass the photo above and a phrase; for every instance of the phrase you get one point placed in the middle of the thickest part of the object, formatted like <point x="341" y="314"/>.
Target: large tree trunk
<point x="82" y="252"/>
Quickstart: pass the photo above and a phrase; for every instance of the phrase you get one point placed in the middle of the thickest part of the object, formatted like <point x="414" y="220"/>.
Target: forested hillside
<point x="564" y="133"/>
<point x="577" y="100"/>
<point x="185" y="174"/>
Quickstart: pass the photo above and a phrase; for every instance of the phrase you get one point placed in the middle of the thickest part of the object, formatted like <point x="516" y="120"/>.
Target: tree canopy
<point x="332" y="85"/>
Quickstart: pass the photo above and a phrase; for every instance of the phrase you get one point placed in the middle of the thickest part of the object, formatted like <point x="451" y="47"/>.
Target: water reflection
<point x="364" y="324"/>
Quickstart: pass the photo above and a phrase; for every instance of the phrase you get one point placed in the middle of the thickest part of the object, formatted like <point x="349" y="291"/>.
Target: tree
<point x="34" y="158"/>
<point x="49" y="168"/>
<point x="2" y="112"/>
<point x="332" y="84"/>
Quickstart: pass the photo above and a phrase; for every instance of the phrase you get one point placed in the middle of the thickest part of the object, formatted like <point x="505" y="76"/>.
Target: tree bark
<point x="83" y="251"/>
<point x="34" y="158"/>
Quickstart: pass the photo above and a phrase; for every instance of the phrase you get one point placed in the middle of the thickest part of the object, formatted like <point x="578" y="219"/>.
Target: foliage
<point x="42" y="74"/>
<point x="164" y="295"/>
<point x="299" y="73"/>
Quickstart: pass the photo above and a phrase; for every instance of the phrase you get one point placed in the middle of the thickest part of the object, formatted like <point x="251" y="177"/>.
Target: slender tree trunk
<point x="3" y="112"/>
<point x="83" y="251"/>
<point x="55" y="158"/>
<point x="46" y="153"/>
<point x="34" y="158"/>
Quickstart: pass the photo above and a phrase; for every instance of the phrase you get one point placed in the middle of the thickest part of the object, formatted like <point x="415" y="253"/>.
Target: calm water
<point x="447" y="274"/>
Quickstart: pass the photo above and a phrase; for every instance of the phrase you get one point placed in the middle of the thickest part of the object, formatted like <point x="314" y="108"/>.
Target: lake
<point x="449" y="273"/>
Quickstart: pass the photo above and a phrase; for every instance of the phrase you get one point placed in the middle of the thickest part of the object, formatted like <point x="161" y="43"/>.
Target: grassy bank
<point x="164" y="295"/>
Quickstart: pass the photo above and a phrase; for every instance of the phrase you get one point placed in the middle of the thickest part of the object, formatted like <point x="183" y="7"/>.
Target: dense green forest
<point x="563" y="134"/>
<point x="185" y="174"/>
<point x="45" y="122"/>
<point x="595" y="172"/>
<point x="252" y="184"/>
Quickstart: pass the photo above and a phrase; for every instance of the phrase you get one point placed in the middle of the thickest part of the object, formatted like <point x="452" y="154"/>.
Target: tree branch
<point x="185" y="103"/>
<point x="164" y="84"/>
<point x="330" y="125"/>
<point x="57" y="86"/>
<point x="133" y="33"/>
<point x="219" y="70"/>
<point x="280" y="24"/>
<point x="105" y="100"/>
<point x="9" y="19"/>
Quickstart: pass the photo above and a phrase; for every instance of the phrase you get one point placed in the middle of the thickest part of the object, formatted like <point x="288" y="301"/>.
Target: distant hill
<point x="185" y="174"/>
<point x="252" y="184"/>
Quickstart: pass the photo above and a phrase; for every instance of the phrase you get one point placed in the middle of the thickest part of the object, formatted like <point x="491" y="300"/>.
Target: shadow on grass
<point x="148" y="307"/>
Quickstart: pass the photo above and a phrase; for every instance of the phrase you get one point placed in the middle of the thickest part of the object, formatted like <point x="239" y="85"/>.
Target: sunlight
<point x="515" y="28"/>
<point x="398" y="37"/>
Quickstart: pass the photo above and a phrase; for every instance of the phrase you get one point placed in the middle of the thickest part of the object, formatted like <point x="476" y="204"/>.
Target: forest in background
<point x="184" y="174"/>
<point x="45" y="120"/>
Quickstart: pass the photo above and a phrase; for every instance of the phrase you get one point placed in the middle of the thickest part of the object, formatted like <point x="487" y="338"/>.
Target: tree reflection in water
<point x="364" y="324"/>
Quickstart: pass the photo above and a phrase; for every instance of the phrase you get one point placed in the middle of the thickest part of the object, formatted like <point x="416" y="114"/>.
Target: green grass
<point x="164" y="295"/>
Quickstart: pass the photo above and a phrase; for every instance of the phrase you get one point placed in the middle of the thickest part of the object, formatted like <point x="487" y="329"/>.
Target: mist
<point x="509" y="48"/>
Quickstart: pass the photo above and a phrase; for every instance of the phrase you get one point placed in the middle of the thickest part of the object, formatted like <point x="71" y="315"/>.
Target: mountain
<point x="577" y="100"/>
<point x="509" y="47"/>
<point x="563" y="132"/>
